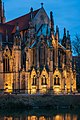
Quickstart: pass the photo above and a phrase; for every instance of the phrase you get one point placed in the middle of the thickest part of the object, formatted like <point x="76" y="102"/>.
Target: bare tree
<point x="76" y="45"/>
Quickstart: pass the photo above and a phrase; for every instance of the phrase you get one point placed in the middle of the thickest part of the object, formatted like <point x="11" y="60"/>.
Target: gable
<point x="41" y="18"/>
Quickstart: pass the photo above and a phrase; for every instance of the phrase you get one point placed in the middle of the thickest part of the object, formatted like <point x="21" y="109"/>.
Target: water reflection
<point x="39" y="115"/>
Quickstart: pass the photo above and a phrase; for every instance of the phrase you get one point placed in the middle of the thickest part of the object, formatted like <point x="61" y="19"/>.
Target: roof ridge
<point x="22" y="16"/>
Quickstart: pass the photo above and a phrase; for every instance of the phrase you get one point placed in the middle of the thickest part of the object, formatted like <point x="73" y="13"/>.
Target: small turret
<point x="2" y="12"/>
<point x="57" y="33"/>
<point x="64" y="32"/>
<point x="64" y="38"/>
<point x="68" y="41"/>
<point x="52" y="23"/>
<point x="4" y="18"/>
<point x="41" y="5"/>
<point x="31" y="14"/>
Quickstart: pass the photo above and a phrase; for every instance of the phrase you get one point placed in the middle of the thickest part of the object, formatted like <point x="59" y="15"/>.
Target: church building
<point x="33" y="58"/>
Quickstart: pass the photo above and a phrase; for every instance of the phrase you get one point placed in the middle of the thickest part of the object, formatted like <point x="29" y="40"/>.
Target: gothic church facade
<point x="32" y="57"/>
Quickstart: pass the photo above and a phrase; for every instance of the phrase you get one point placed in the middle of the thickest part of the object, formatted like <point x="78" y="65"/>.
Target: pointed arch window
<point x="44" y="80"/>
<point x="6" y="65"/>
<point x="56" y="80"/>
<point x="42" y="54"/>
<point x="34" y="80"/>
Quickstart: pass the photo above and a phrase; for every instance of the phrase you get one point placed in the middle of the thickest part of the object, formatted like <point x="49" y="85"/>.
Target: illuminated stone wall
<point x="37" y="63"/>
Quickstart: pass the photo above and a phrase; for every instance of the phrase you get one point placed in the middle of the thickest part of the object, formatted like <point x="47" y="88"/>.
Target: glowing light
<point x="58" y="117"/>
<point x="33" y="91"/>
<point x="57" y="90"/>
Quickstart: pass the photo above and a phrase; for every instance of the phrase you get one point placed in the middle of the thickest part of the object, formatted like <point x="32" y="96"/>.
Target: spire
<point x="4" y="18"/>
<point x="64" y="38"/>
<point x="41" y="5"/>
<point x="52" y="22"/>
<point x="31" y="14"/>
<point x="3" y="10"/>
<point x="31" y="18"/>
<point x="68" y="41"/>
<point x="0" y="11"/>
<point x="68" y="35"/>
<point x="57" y="30"/>
<point x="65" y="32"/>
<point x="57" y="33"/>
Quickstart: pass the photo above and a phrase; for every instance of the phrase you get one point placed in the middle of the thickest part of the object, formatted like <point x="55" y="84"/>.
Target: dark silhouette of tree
<point x="76" y="45"/>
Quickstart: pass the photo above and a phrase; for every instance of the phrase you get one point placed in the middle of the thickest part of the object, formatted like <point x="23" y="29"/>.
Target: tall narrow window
<point x="56" y="80"/>
<point x="34" y="80"/>
<point x="6" y="66"/>
<point x="44" y="80"/>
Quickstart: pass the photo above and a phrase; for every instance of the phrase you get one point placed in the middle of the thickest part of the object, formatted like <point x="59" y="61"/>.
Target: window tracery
<point x="56" y="80"/>
<point x="44" y="80"/>
<point x="34" y="80"/>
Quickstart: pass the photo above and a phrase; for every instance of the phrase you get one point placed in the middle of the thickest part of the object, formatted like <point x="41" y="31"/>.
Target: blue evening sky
<point x="66" y="12"/>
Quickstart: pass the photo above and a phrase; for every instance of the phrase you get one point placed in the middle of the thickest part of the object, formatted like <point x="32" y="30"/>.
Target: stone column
<point x="26" y="82"/>
<point x="56" y="53"/>
<point x="51" y="70"/>
<point x="37" y="57"/>
<point x="29" y="57"/>
<point x="38" y="75"/>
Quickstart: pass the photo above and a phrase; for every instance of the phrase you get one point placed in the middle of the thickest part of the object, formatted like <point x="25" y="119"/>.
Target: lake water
<point x="40" y="115"/>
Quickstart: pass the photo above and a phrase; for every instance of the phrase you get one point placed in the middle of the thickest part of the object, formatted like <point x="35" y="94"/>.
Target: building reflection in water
<point x="42" y="117"/>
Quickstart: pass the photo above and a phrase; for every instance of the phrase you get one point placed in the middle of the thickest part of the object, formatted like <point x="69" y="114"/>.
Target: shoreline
<point x="24" y="101"/>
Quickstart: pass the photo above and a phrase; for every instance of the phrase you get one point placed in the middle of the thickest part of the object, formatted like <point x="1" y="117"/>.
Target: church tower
<point x="2" y="13"/>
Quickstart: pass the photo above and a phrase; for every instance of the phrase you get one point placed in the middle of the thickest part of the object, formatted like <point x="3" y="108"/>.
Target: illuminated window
<point x="34" y="80"/>
<point x="56" y="80"/>
<point x="6" y="67"/>
<point x="44" y="80"/>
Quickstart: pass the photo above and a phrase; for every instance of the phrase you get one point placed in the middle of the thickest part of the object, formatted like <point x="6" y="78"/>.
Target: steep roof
<point x="4" y="27"/>
<point x="22" y="21"/>
<point x="10" y="26"/>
